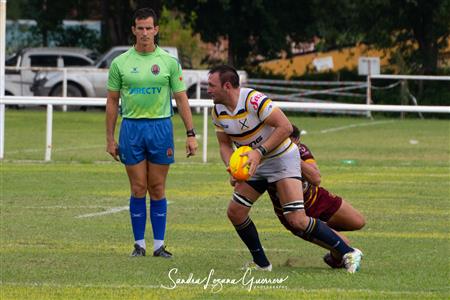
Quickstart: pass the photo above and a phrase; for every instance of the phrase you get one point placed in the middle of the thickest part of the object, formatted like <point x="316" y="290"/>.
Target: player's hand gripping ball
<point x="236" y="165"/>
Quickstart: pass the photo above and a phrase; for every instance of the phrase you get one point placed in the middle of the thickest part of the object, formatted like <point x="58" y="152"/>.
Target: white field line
<point x="97" y="162"/>
<point x="180" y="140"/>
<point x="354" y="125"/>
<point x="59" y="207"/>
<point x="260" y="209"/>
<point x="153" y="286"/>
<point x="55" y="149"/>
<point x="333" y="129"/>
<point x="112" y="210"/>
<point x="257" y="209"/>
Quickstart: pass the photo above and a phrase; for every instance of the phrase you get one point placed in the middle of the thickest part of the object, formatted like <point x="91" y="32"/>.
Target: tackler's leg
<point x="291" y="199"/>
<point x="346" y="218"/>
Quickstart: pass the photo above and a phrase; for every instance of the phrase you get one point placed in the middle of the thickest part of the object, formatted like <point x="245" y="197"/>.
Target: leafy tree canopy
<point x="417" y="29"/>
<point x="261" y="27"/>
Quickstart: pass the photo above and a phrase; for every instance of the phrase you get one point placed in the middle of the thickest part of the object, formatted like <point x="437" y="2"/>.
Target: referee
<point x="145" y="78"/>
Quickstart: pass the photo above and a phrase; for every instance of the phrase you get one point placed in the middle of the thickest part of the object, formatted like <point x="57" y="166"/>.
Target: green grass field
<point x="65" y="231"/>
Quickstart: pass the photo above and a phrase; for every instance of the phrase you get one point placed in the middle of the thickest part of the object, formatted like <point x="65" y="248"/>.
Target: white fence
<point x="402" y="79"/>
<point x="308" y="91"/>
<point x="197" y="103"/>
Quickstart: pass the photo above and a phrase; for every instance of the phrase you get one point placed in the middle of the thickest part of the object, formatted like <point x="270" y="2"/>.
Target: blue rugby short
<point x="150" y="139"/>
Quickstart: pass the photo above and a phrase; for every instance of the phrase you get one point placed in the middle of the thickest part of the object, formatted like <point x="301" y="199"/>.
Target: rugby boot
<point x="138" y="251"/>
<point x="333" y="262"/>
<point x="162" y="252"/>
<point x="352" y="260"/>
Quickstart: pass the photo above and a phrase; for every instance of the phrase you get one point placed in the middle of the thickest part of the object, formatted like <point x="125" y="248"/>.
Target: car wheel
<point x="72" y="91"/>
<point x="15" y="106"/>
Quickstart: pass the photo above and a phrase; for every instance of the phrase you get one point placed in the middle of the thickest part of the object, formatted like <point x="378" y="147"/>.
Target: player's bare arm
<point x="112" y="111"/>
<point x="226" y="150"/>
<point x="225" y="146"/>
<point x="283" y="129"/>
<point x="311" y="172"/>
<point x="185" y="112"/>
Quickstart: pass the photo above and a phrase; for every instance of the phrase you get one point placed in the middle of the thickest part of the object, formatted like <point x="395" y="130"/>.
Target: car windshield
<point x="12" y="60"/>
<point x="106" y="59"/>
<point x="93" y="55"/>
<point x="100" y="58"/>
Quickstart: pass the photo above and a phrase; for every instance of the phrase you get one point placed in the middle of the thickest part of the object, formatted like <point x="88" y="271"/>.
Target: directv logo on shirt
<point x="145" y="91"/>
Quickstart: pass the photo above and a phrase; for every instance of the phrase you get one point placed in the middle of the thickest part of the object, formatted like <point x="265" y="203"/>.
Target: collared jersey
<point x="245" y="125"/>
<point x="146" y="82"/>
<point x="310" y="191"/>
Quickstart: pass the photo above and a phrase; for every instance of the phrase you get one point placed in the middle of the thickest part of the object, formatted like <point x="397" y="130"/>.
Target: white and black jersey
<point x="245" y="125"/>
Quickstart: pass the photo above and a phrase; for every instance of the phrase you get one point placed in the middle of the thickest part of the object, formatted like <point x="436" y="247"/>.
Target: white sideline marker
<point x="112" y="210"/>
<point x="57" y="149"/>
<point x="354" y="125"/>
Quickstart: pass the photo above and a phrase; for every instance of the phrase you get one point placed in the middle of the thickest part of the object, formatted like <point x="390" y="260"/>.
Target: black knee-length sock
<point x="249" y="235"/>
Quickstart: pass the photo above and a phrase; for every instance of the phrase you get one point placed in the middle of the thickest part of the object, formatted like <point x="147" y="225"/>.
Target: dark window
<point x="93" y="55"/>
<point x="70" y="61"/>
<point x="12" y="61"/>
<point x="106" y="63"/>
<point x="44" y="60"/>
<point x="114" y="55"/>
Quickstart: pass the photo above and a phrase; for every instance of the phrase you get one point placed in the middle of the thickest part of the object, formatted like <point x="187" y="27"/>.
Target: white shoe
<point x="253" y="266"/>
<point x="352" y="260"/>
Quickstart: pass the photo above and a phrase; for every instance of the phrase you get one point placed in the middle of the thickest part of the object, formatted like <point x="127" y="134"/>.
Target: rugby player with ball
<point x="246" y="117"/>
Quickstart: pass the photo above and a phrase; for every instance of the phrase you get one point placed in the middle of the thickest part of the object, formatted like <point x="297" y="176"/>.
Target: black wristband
<point x="262" y="150"/>
<point x="190" y="133"/>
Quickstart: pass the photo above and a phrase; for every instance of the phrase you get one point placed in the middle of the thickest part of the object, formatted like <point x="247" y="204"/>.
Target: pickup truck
<point x="91" y="80"/>
<point x="21" y="67"/>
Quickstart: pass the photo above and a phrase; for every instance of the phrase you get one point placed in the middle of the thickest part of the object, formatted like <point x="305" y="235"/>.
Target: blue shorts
<point x="150" y="139"/>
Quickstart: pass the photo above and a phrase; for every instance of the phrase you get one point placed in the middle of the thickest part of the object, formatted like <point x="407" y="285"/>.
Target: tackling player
<point x="319" y="203"/>
<point x="243" y="116"/>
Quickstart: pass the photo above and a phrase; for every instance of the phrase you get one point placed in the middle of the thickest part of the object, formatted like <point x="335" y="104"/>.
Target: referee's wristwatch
<point x="190" y="133"/>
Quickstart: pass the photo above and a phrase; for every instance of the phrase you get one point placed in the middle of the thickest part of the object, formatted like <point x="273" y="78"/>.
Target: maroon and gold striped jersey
<point x="309" y="191"/>
<point x="319" y="203"/>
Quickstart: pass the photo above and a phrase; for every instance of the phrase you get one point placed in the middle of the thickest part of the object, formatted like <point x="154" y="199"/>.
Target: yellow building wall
<point x="343" y="58"/>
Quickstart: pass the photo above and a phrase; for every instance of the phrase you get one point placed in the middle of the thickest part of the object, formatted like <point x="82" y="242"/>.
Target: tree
<point x="418" y="29"/>
<point x="13" y="9"/>
<point x="261" y="27"/>
<point x="47" y="15"/>
<point x="172" y="32"/>
<point x="116" y="19"/>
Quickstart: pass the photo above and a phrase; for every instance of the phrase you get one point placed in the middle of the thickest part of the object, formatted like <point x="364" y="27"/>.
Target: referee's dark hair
<point x="144" y="13"/>
<point x="226" y="74"/>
